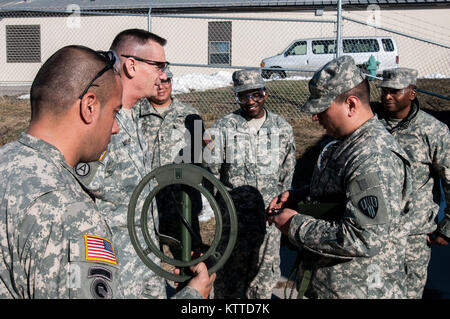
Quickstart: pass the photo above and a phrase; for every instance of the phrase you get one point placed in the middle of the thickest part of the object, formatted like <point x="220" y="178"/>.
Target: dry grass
<point x="14" y="118"/>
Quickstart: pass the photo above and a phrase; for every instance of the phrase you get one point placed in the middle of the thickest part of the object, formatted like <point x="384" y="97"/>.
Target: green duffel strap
<point x="304" y="283"/>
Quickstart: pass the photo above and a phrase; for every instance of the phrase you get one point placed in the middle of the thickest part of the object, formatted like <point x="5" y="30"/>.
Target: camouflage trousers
<point x="418" y="255"/>
<point x="253" y="268"/>
<point x="269" y="272"/>
<point x="136" y="280"/>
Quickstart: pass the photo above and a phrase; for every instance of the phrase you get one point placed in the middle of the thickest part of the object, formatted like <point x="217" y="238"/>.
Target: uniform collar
<point x="348" y="140"/>
<point x="243" y="121"/>
<point x="145" y="108"/>
<point x="48" y="151"/>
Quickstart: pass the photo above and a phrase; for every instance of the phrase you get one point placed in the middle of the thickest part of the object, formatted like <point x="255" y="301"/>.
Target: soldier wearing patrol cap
<point x="253" y="155"/>
<point x="357" y="250"/>
<point x="54" y="243"/>
<point x="427" y="142"/>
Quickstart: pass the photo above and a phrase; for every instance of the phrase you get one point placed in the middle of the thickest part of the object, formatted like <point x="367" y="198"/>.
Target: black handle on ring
<point x="185" y="174"/>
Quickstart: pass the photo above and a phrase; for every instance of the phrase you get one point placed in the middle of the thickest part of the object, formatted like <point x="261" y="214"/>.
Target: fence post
<point x="339" y="27"/>
<point x="149" y="20"/>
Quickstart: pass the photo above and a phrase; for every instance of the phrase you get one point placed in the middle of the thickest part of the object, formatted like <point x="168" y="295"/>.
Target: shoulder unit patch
<point x="369" y="206"/>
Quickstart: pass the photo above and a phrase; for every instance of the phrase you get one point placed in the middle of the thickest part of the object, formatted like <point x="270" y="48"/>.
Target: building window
<point x="219" y="43"/>
<point x="23" y="43"/>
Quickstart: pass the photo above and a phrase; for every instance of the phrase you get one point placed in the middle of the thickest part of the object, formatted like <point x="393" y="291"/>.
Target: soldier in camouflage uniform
<point x="427" y="142"/>
<point x="357" y="250"/>
<point x="49" y="222"/>
<point x="173" y="130"/>
<point x="254" y="157"/>
<point x="113" y="178"/>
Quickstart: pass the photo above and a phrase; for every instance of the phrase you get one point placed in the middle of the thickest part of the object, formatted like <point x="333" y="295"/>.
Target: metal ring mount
<point x="184" y="174"/>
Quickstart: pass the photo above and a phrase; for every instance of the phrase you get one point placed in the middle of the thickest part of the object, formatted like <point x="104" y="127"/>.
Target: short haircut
<point x="63" y="77"/>
<point x="133" y="37"/>
<point x="361" y="91"/>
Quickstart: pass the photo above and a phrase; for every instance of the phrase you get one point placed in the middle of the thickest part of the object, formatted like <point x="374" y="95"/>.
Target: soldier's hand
<point x="282" y="219"/>
<point x="436" y="239"/>
<point x="202" y="281"/>
<point x="277" y="203"/>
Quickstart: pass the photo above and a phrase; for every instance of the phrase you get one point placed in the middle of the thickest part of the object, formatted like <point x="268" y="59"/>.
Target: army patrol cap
<point x="245" y="80"/>
<point x="334" y="78"/>
<point x="399" y="78"/>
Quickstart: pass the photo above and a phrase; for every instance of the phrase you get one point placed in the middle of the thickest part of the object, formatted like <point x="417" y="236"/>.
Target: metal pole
<point x="149" y="20"/>
<point x="339" y="26"/>
<point x="186" y="238"/>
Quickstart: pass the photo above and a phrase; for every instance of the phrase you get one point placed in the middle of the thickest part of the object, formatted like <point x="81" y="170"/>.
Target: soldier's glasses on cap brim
<point x="255" y="96"/>
<point x="162" y="66"/>
<point x="112" y="62"/>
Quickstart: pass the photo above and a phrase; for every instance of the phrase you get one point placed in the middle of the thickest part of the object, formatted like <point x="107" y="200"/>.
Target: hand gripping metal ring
<point x="185" y="174"/>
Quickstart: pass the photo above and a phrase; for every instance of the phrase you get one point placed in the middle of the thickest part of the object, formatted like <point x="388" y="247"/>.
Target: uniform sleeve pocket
<point x="367" y="198"/>
<point x="92" y="269"/>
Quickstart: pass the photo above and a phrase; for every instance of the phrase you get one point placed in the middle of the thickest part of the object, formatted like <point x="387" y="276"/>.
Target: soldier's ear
<point x="89" y="107"/>
<point x="412" y="93"/>
<point x="129" y="68"/>
<point x="352" y="103"/>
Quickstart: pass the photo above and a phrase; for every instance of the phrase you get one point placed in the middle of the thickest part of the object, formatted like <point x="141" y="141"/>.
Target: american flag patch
<point x="209" y="142"/>
<point x="98" y="248"/>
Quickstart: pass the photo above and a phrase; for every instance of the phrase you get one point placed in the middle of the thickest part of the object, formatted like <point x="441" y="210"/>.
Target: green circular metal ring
<point x="185" y="174"/>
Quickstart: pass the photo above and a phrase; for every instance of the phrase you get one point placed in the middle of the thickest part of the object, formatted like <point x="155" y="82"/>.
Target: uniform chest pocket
<point x="92" y="271"/>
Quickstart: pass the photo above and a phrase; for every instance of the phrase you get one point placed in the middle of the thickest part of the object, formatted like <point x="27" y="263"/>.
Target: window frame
<point x="212" y="52"/>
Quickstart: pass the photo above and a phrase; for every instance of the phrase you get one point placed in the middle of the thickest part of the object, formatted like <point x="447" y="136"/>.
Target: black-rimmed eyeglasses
<point x="162" y="66"/>
<point x="386" y="91"/>
<point x="112" y="62"/>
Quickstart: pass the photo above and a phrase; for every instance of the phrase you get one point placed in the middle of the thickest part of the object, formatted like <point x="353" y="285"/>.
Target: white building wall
<point x="251" y="40"/>
<point x="57" y="32"/>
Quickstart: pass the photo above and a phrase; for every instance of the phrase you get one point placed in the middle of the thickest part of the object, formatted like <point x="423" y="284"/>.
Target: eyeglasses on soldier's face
<point x="257" y="96"/>
<point x="112" y="62"/>
<point x="166" y="82"/>
<point x="390" y="91"/>
<point x="161" y="66"/>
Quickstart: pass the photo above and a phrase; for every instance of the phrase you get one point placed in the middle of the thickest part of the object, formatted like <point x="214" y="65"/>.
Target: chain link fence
<point x="204" y="50"/>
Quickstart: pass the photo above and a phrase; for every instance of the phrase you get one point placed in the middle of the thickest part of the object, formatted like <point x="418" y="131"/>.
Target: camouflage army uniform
<point x="165" y="133"/>
<point x="113" y="180"/>
<point x="46" y="224"/>
<point x="175" y="136"/>
<point x="354" y="255"/>
<point x="427" y="142"/>
<point x="359" y="251"/>
<point x="254" y="167"/>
